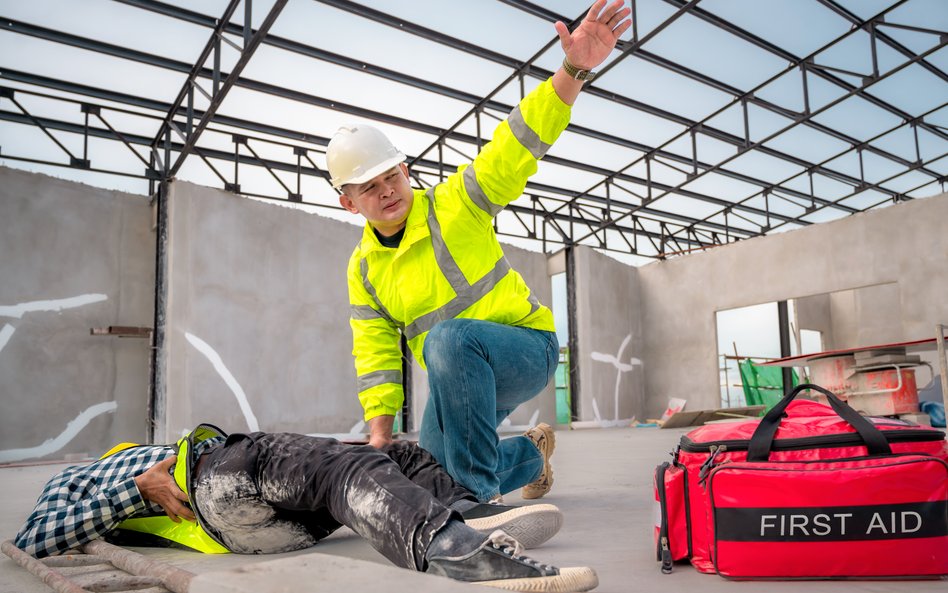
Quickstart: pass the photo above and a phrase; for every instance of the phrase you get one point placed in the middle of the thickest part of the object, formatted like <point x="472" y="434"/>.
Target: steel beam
<point x="251" y="43"/>
<point x="249" y="84"/>
<point x="808" y="116"/>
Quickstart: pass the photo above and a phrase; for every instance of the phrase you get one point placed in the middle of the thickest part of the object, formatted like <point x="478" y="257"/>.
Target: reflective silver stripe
<point x="476" y="194"/>
<point x="378" y="378"/>
<point x="452" y="272"/>
<point x="534" y="304"/>
<point x="364" y="268"/>
<point x="525" y="134"/>
<point x="455" y="306"/>
<point x="364" y="312"/>
<point x="466" y="294"/>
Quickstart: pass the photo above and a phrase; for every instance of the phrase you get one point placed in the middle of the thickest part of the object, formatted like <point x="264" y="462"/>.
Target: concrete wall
<point x="72" y="258"/>
<point x="257" y="325"/>
<point x="814" y="313"/>
<point x="855" y="317"/>
<point x="867" y="315"/>
<point x="610" y="343"/>
<point x="257" y="330"/>
<point x="905" y="245"/>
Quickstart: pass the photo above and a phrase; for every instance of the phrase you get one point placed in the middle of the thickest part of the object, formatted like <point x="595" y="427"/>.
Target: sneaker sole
<point x="530" y="525"/>
<point x="570" y="580"/>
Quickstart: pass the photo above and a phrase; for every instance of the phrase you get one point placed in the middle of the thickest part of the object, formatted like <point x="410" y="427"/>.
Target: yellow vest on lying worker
<point x="449" y="263"/>
<point x="186" y="533"/>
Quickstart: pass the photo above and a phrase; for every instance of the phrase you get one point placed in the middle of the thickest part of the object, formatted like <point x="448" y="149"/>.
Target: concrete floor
<point x="603" y="485"/>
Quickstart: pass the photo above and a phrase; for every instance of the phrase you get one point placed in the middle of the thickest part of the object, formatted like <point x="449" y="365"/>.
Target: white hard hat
<point x="358" y="153"/>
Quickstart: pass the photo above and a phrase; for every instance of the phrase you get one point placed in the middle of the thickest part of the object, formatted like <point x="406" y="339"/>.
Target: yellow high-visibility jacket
<point x="186" y="533"/>
<point x="449" y="263"/>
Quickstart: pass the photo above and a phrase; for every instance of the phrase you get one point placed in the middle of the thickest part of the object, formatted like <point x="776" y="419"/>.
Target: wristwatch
<point x="578" y="74"/>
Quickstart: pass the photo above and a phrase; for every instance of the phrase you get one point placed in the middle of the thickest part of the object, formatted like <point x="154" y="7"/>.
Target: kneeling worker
<point x="429" y="268"/>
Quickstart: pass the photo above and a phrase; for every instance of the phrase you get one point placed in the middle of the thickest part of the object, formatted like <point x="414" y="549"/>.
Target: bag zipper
<point x="826" y="441"/>
<point x="664" y="551"/>
<point x="708" y="464"/>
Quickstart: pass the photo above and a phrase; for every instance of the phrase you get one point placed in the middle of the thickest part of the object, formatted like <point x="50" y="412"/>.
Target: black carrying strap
<point x="763" y="438"/>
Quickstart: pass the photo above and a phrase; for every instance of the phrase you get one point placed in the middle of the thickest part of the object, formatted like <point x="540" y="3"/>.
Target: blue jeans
<point x="478" y="373"/>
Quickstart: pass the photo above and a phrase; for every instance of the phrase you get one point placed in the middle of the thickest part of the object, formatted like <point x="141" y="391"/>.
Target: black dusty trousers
<point x="277" y="492"/>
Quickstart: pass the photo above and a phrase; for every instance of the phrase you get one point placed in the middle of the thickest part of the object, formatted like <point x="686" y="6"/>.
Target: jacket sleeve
<point x="75" y="510"/>
<point x="376" y="346"/>
<point x="500" y="171"/>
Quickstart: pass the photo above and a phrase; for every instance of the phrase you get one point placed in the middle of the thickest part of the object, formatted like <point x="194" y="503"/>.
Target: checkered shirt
<point x="84" y="502"/>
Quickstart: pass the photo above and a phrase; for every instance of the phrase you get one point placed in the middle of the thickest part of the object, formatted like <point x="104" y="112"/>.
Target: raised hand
<point x="158" y="486"/>
<point x="594" y="38"/>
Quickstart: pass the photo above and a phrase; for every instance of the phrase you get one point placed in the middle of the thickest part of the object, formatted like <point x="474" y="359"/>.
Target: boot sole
<point x="571" y="579"/>
<point x="530" y="525"/>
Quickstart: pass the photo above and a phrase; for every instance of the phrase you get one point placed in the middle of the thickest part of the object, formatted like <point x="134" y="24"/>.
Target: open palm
<point x="596" y="35"/>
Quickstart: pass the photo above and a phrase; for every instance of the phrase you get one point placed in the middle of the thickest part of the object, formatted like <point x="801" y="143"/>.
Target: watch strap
<point x="577" y="73"/>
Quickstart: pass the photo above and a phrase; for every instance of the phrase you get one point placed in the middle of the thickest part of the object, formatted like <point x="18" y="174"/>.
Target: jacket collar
<point x="416" y="228"/>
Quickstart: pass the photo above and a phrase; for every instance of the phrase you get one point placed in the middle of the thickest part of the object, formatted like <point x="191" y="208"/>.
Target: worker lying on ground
<point x="262" y="493"/>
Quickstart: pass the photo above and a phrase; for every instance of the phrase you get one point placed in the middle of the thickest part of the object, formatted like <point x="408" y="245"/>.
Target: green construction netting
<point x="563" y="405"/>
<point x="762" y="385"/>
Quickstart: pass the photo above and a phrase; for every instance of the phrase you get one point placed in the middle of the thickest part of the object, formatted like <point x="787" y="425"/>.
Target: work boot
<point x="530" y="525"/>
<point x="544" y="440"/>
<point x="498" y="562"/>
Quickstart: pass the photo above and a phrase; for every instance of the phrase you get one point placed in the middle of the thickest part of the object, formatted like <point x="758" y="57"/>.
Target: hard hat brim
<point x="370" y="173"/>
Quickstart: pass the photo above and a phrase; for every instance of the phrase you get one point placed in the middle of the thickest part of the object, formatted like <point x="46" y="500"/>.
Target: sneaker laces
<point x="509" y="546"/>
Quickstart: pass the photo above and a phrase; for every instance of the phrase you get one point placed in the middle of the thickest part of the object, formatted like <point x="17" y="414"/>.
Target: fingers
<point x="598" y="14"/>
<point x="176" y="511"/>
<point x="185" y="513"/>
<point x="157" y="485"/>
<point x="167" y="464"/>
<point x="182" y="496"/>
<point x="622" y="28"/>
<point x="614" y="16"/>
<point x="593" y="14"/>
<point x="174" y="508"/>
<point x="617" y="19"/>
<point x="171" y="513"/>
<point x="563" y="31"/>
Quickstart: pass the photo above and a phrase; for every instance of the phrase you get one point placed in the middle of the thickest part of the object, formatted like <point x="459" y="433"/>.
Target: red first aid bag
<point x="809" y="491"/>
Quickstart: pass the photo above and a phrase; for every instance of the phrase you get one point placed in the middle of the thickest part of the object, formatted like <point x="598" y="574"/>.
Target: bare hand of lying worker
<point x="158" y="486"/>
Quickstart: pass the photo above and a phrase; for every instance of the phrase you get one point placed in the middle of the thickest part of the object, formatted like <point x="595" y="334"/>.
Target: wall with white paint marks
<point x="609" y="341"/>
<point x="72" y="257"/>
<point x="258" y="335"/>
<point x="257" y="325"/>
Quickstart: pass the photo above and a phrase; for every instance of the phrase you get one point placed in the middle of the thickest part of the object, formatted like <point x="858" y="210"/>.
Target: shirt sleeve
<point x="73" y="510"/>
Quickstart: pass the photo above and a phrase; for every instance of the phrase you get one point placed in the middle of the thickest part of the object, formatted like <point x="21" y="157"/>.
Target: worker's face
<point x="384" y="201"/>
